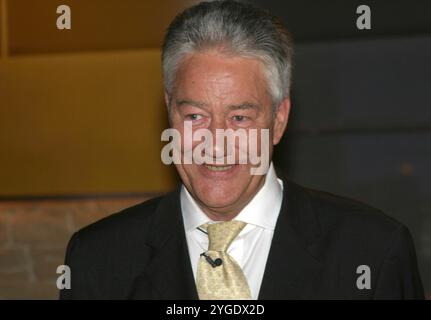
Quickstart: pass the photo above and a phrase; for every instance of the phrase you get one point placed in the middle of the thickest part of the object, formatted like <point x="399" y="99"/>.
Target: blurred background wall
<point x="360" y="124"/>
<point x="81" y="112"/>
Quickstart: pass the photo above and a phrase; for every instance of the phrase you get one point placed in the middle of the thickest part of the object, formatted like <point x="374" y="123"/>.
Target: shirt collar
<point x="261" y="211"/>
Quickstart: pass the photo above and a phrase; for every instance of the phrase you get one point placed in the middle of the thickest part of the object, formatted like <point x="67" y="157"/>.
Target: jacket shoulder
<point x="126" y="221"/>
<point x="117" y="234"/>
<point x="106" y="256"/>
<point x="353" y="234"/>
<point x="336" y="212"/>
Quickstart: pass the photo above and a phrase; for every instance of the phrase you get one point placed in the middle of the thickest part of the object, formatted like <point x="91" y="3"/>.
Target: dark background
<point x="360" y="121"/>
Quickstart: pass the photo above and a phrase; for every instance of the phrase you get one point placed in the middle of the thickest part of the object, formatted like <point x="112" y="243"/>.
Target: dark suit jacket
<point x="319" y="241"/>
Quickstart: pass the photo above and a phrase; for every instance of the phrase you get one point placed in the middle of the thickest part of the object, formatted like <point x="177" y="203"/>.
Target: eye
<point x="193" y="116"/>
<point x="239" y="118"/>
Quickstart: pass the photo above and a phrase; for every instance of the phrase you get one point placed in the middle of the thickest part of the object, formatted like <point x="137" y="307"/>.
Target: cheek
<point x="269" y="125"/>
<point x="186" y="173"/>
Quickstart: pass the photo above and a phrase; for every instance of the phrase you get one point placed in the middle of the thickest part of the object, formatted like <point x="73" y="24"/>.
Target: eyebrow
<point x="244" y="106"/>
<point x="199" y="104"/>
<point x="190" y="103"/>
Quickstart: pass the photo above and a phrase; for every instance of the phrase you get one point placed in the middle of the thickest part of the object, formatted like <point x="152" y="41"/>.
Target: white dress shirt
<point x="251" y="247"/>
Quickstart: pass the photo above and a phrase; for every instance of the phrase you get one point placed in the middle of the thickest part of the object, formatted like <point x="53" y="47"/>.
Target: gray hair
<point x="236" y="28"/>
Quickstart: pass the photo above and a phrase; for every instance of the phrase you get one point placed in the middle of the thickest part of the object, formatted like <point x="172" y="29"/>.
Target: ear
<point x="168" y="107"/>
<point x="280" y="121"/>
<point x="166" y="99"/>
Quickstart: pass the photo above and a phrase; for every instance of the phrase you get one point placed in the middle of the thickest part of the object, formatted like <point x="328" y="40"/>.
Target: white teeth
<point x="218" y="168"/>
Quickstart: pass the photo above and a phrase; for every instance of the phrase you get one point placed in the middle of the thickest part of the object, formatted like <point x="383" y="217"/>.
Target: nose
<point x="220" y="149"/>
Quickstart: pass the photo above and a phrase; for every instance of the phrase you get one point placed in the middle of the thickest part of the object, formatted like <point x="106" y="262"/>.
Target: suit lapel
<point x="291" y="271"/>
<point x="169" y="275"/>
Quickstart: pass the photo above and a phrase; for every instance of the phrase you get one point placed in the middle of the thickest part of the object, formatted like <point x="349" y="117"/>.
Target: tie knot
<point x="222" y="234"/>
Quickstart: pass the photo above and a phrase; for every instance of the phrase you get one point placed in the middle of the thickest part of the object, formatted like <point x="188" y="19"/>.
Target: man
<point x="227" y="233"/>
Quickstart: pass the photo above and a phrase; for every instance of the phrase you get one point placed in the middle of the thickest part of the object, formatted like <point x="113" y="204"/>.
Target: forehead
<point x="215" y="77"/>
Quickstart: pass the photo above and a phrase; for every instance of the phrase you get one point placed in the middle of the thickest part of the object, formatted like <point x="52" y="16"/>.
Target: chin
<point x="218" y="189"/>
<point x="218" y="197"/>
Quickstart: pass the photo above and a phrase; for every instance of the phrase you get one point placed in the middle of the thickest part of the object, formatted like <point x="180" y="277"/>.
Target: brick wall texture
<point x="33" y="239"/>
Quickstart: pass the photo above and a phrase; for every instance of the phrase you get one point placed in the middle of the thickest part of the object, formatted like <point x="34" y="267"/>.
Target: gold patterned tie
<point x="221" y="279"/>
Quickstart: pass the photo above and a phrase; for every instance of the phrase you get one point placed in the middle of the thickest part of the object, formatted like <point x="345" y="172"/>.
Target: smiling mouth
<point x="218" y="168"/>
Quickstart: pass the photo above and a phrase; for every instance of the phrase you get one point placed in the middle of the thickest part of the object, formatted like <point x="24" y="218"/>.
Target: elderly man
<point x="227" y="233"/>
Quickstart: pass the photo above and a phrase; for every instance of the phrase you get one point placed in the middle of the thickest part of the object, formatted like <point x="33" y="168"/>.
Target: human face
<point x="218" y="91"/>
